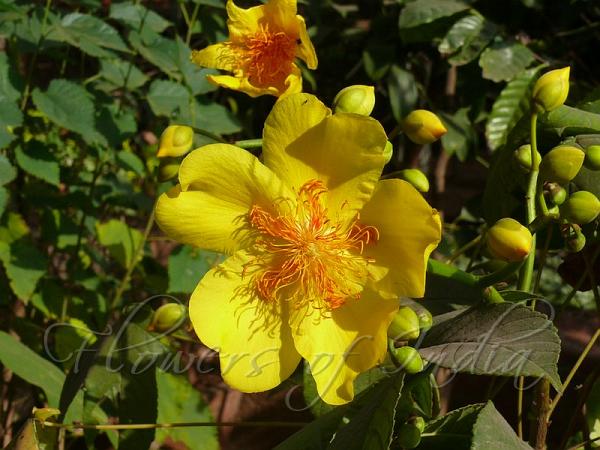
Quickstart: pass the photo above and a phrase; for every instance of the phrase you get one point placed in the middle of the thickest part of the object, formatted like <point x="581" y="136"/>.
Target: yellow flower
<point x="263" y="44"/>
<point x="320" y="248"/>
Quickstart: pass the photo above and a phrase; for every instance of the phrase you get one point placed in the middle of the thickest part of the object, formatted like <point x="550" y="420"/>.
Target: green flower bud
<point x="425" y="319"/>
<point x="405" y="325"/>
<point x="581" y="207"/>
<point x="409" y="436"/>
<point x="523" y="157"/>
<point x="409" y="359"/>
<point x="418" y="422"/>
<point x="561" y="164"/>
<point x="168" y="317"/>
<point x="175" y="141"/>
<point x="557" y="193"/>
<point x="508" y="240"/>
<point x="388" y="151"/>
<point x="575" y="240"/>
<point x="423" y="127"/>
<point x="357" y="99"/>
<point x="416" y="178"/>
<point x="551" y="90"/>
<point x="167" y="169"/>
<point x="592" y="157"/>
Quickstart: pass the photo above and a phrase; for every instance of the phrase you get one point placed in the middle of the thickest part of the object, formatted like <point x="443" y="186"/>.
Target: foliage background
<point x="87" y="86"/>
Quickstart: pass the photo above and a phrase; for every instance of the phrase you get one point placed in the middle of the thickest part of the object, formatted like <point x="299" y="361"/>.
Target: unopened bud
<point x="523" y="157"/>
<point x="175" y="141"/>
<point x="418" y="422"/>
<point x="168" y="169"/>
<point x="561" y="164"/>
<point x="508" y="240"/>
<point x="357" y="99"/>
<point x="592" y="157"/>
<point x="388" y="151"/>
<point x="557" y="193"/>
<point x="551" y="90"/>
<point x="416" y="178"/>
<point x="409" y="359"/>
<point x="581" y="207"/>
<point x="423" y="127"/>
<point x="409" y="436"/>
<point x="405" y="325"/>
<point x="168" y="317"/>
<point x="574" y="239"/>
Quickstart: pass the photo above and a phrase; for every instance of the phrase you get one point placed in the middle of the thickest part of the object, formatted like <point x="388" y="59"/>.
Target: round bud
<point x="409" y="436"/>
<point x="508" y="240"/>
<point x="561" y="164"/>
<point x="416" y="178"/>
<point x="592" y="157"/>
<point x="581" y="207"/>
<point x="175" y="141"/>
<point x="418" y="422"/>
<point x="557" y="193"/>
<point x="409" y="359"/>
<point x="388" y="151"/>
<point x="405" y="325"/>
<point x="167" y="169"/>
<point x="551" y="90"/>
<point x="575" y="241"/>
<point x="523" y="157"/>
<point x="425" y="319"/>
<point x="168" y="317"/>
<point x="423" y="127"/>
<point x="357" y="99"/>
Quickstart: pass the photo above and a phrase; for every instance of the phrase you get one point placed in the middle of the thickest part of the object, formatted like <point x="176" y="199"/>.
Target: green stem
<point x="208" y="134"/>
<point x="188" y="36"/>
<point x="395" y="132"/>
<point x="249" y="143"/>
<point x="499" y="275"/>
<point x="542" y="261"/>
<point x="444" y="270"/>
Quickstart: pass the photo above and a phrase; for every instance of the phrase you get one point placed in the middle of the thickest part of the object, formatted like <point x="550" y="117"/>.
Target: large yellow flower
<point x="320" y="248"/>
<point x="263" y="44"/>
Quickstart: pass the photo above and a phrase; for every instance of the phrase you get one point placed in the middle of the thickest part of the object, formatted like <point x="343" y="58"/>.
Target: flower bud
<point x="388" y="151"/>
<point x="409" y="436"/>
<point x="508" y="240"/>
<point x="405" y="325"/>
<point x="409" y="359"/>
<point x="557" y="193"/>
<point x="523" y="157"/>
<point x="416" y="178"/>
<point x="423" y="127"/>
<point x="175" y="141"/>
<point x="168" y="317"/>
<point x="167" y="169"/>
<point x="574" y="240"/>
<point x="561" y="164"/>
<point x="357" y="99"/>
<point x="592" y="157"/>
<point x="551" y="89"/>
<point x="581" y="207"/>
<point x="418" y="422"/>
<point x="425" y="319"/>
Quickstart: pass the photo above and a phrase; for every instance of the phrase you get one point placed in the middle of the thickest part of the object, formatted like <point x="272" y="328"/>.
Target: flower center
<point x="305" y="257"/>
<point x="269" y="56"/>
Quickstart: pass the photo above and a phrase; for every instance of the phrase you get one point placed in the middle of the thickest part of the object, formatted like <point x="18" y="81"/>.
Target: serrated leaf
<point x="36" y="160"/>
<point x="120" y="239"/>
<point x="7" y="171"/>
<point x="167" y="98"/>
<point x="503" y="61"/>
<point x="372" y="427"/>
<point x="193" y="75"/>
<point x="160" y="51"/>
<point x="122" y="74"/>
<point x="25" y="265"/>
<point x="130" y="161"/>
<point x="492" y="432"/>
<point x="453" y="430"/>
<point x="500" y="339"/>
<point x="402" y="89"/>
<point x="9" y="81"/>
<point x="90" y="34"/>
<point x="512" y="104"/>
<point x="187" y="266"/>
<point x="135" y="15"/>
<point x="68" y="105"/>
<point x="466" y="39"/>
<point x="10" y="117"/>
<point x="179" y="401"/>
<point x="460" y="137"/>
<point x="421" y="12"/>
<point x="317" y="434"/>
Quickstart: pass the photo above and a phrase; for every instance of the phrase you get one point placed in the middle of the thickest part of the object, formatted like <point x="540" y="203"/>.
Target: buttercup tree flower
<point x="320" y="248"/>
<point x="263" y="43"/>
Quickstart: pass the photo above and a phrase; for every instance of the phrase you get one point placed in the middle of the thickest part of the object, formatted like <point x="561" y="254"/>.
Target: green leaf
<point x="4" y="196"/>
<point x="421" y="12"/>
<point x="187" y="265"/>
<point x="460" y="137"/>
<point x="135" y="15"/>
<point x="503" y="61"/>
<point x="90" y="34"/>
<point x="492" y="432"/>
<point x="34" y="436"/>
<point x="36" y="160"/>
<point x="117" y="72"/>
<point x="466" y="39"/>
<point x="9" y="81"/>
<point x="121" y="240"/>
<point x="25" y="265"/>
<point x="179" y="401"/>
<point x="68" y="105"/>
<point x="500" y="339"/>
<point x="10" y="117"/>
<point x="167" y="98"/>
<point x="317" y="434"/>
<point x="568" y="121"/>
<point x="402" y="89"/>
<point x="193" y="75"/>
<point x="512" y="104"/>
<point x="114" y="125"/>
<point x="372" y="427"/>
<point x="453" y="430"/>
<point x="31" y="367"/>
<point x="130" y="161"/>
<point x="7" y="171"/>
<point x="158" y="50"/>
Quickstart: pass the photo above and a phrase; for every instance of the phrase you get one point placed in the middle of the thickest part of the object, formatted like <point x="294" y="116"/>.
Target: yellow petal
<point x="281" y="15"/>
<point x="351" y="340"/>
<point x="306" y="50"/>
<point x="293" y="83"/>
<point x="409" y="230"/>
<point x="218" y="56"/>
<point x="303" y="142"/>
<point x="219" y="185"/>
<point x="253" y="337"/>
<point x="243" y="22"/>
